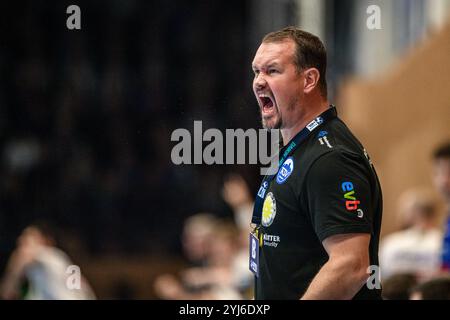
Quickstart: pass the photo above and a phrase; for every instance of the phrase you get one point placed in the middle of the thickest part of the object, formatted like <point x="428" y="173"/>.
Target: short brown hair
<point x="442" y="152"/>
<point x="310" y="51"/>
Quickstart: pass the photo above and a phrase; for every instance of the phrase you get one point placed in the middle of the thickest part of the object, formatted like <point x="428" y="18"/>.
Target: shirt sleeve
<point x="338" y="192"/>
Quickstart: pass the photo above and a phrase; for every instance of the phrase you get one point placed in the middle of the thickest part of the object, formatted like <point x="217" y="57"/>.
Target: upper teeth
<point x="263" y="95"/>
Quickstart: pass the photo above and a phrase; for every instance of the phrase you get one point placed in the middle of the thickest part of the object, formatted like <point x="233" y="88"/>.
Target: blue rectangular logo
<point x="254" y="254"/>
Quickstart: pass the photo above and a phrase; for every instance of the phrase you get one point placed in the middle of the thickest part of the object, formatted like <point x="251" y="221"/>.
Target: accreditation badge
<point x="254" y="254"/>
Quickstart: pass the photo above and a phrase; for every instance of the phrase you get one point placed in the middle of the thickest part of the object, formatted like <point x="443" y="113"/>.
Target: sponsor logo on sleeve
<point x="351" y="202"/>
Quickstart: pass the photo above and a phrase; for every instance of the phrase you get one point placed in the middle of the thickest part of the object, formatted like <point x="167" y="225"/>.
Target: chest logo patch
<point x="269" y="210"/>
<point x="285" y="171"/>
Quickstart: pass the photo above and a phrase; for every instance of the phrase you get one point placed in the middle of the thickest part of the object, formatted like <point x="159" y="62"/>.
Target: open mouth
<point x="267" y="103"/>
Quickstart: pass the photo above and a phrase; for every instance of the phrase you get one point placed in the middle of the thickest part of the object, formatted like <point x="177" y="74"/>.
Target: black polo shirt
<point x="328" y="187"/>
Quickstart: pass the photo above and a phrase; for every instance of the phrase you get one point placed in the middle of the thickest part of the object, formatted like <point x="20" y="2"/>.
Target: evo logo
<point x="351" y="203"/>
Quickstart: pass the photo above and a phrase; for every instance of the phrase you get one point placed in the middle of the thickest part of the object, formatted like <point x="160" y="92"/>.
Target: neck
<point x="307" y="115"/>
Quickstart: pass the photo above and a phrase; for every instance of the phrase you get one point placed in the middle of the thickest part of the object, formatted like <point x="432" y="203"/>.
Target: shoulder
<point x="332" y="142"/>
<point x="329" y="150"/>
<point x="337" y="159"/>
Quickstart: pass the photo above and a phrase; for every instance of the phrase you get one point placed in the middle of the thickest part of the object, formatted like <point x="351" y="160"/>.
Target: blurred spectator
<point x="441" y="176"/>
<point x="197" y="232"/>
<point x="436" y="289"/>
<point x="43" y="266"/>
<point x="417" y="248"/>
<point x="218" y="249"/>
<point x="398" y="286"/>
<point x="222" y="248"/>
<point x="237" y="194"/>
<point x="441" y="179"/>
<point x="215" y="280"/>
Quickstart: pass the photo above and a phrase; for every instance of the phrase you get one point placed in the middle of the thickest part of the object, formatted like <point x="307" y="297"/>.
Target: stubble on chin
<point x="265" y="124"/>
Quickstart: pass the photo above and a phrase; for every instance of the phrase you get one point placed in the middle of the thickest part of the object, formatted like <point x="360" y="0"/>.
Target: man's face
<point x="441" y="176"/>
<point x="277" y="84"/>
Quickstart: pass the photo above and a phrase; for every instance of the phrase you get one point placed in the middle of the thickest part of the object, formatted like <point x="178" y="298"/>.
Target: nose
<point x="260" y="82"/>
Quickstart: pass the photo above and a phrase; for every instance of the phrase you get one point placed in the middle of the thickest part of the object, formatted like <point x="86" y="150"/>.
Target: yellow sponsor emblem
<point x="269" y="210"/>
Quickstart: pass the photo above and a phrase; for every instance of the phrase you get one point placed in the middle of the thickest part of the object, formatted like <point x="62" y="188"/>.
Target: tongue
<point x="268" y="106"/>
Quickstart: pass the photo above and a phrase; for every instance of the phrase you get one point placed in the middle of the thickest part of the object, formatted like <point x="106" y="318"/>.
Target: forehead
<point x="280" y="51"/>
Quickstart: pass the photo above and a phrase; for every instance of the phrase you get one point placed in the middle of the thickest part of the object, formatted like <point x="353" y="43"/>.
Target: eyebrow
<point x="271" y="64"/>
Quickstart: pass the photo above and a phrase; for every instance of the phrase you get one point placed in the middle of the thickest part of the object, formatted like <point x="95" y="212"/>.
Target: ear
<point x="311" y="80"/>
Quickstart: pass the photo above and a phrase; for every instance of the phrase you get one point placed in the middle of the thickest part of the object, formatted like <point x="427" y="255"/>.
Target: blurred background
<point x="86" y="118"/>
